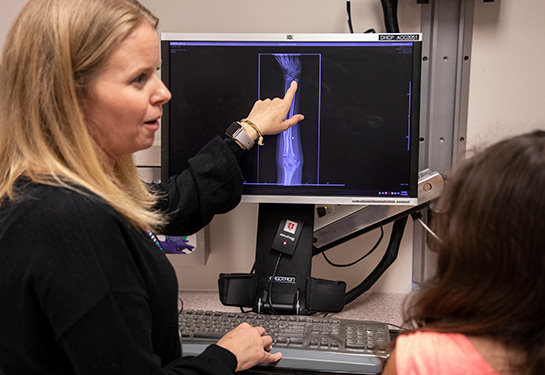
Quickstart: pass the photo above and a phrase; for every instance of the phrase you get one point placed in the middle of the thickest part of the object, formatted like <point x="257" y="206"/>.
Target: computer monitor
<point x="358" y="144"/>
<point x="359" y="94"/>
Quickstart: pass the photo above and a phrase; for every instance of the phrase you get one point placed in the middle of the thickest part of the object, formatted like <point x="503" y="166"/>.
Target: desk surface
<point x="381" y="307"/>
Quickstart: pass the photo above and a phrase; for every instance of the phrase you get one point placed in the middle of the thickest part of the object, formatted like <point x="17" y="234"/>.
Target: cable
<point x="180" y="305"/>
<point x="417" y="216"/>
<point x="349" y="15"/>
<point x="360" y="259"/>
<point x="386" y="261"/>
<point x="271" y="281"/>
<point x="400" y="328"/>
<point x="389" y="8"/>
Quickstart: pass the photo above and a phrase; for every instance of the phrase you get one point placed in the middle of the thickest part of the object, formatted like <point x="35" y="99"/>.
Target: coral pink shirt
<point x="432" y="353"/>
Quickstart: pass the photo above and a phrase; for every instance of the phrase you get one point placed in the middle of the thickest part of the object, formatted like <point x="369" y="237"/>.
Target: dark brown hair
<point x="490" y="278"/>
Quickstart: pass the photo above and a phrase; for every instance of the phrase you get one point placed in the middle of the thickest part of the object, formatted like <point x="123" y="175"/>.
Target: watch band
<point x="236" y="132"/>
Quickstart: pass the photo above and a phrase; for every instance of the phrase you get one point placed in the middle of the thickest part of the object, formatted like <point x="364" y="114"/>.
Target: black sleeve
<point x="112" y="340"/>
<point x="214" y="360"/>
<point x="93" y="276"/>
<point x="211" y="185"/>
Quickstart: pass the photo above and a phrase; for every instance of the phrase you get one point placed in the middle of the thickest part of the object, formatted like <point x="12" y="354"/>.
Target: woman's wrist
<point x="245" y="133"/>
<point x="256" y="129"/>
<point x="248" y="129"/>
<point x="239" y="134"/>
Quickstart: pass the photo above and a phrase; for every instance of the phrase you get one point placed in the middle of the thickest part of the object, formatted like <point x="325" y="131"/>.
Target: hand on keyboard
<point x="250" y="345"/>
<point x="307" y="343"/>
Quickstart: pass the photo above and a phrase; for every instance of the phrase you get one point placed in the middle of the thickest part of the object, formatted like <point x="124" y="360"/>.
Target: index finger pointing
<point x="291" y="92"/>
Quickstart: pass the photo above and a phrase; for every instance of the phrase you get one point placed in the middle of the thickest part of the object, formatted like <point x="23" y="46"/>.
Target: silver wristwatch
<point x="236" y="132"/>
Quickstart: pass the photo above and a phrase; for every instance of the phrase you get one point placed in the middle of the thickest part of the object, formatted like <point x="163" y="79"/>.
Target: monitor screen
<point x="359" y="93"/>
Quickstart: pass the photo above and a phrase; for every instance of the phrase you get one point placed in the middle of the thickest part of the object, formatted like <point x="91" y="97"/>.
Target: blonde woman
<point x="85" y="287"/>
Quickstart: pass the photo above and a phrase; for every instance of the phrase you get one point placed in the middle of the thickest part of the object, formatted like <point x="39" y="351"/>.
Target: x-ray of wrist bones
<point x="289" y="153"/>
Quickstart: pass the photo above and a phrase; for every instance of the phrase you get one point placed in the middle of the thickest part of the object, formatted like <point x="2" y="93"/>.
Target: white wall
<point x="506" y="97"/>
<point x="10" y="9"/>
<point x="507" y="86"/>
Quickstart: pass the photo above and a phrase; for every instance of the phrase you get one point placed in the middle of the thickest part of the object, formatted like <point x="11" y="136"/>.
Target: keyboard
<point x="307" y="343"/>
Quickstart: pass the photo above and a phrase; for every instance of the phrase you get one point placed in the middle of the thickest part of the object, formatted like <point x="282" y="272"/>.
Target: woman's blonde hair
<point x="51" y="55"/>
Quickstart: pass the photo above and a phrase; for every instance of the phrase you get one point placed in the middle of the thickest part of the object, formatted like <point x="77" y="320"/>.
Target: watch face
<point x="236" y="132"/>
<point x="233" y="129"/>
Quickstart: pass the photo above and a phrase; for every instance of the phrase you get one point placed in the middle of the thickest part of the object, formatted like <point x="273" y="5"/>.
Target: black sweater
<point x="82" y="292"/>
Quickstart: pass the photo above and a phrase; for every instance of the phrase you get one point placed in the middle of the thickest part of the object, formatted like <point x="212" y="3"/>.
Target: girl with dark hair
<point x="483" y="312"/>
